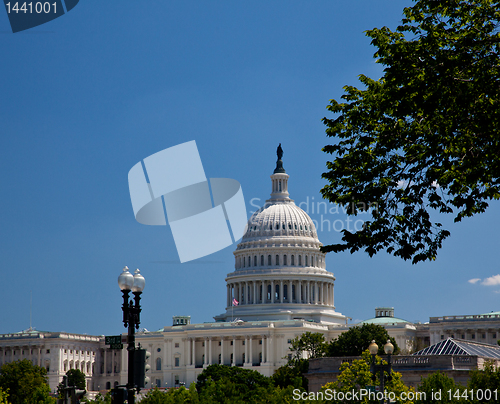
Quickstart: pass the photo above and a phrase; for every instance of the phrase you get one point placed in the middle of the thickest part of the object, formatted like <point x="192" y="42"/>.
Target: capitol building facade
<point x="280" y="288"/>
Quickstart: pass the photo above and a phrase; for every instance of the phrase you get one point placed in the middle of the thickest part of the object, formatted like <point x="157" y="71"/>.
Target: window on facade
<point x="220" y="359"/>
<point x="293" y="292"/>
<point x="158" y="363"/>
<point x="442" y="336"/>
<point x="484" y="336"/>
<point x="177" y="345"/>
<point x="268" y="292"/>
<point x="306" y="260"/>
<point x="277" y="292"/>
<point x="260" y="357"/>
<point x="260" y="342"/>
<point x="255" y="261"/>
<point x="158" y="383"/>
<point x="261" y="260"/>
<point x="463" y="336"/>
<point x="219" y="343"/>
<point x="177" y="362"/>
<point x="289" y="226"/>
<point x="293" y="260"/>
<point x="249" y="262"/>
<point x="232" y="358"/>
<point x="300" y="259"/>
<point x="277" y="259"/>
<point x="285" y="292"/>
<point x="108" y="385"/>
<point x="473" y="336"/>
<point x="47" y="351"/>
<point x="284" y="259"/>
<point x="158" y="349"/>
<point x="283" y="225"/>
<point x="494" y="335"/>
<point x="231" y="342"/>
<point x="269" y="260"/>
<point x="243" y="358"/>
<point x="243" y="342"/>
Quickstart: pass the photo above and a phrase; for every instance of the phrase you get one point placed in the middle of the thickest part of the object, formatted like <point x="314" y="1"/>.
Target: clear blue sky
<point x="85" y="97"/>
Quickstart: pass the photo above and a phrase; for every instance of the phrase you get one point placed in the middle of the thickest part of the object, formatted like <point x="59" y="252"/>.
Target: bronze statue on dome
<point x="279" y="152"/>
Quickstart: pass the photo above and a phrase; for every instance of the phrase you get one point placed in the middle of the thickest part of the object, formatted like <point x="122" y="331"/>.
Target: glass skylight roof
<point x="460" y="347"/>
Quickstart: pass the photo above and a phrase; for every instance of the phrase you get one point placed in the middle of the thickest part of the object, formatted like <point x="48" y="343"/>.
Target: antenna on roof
<point x="31" y="307"/>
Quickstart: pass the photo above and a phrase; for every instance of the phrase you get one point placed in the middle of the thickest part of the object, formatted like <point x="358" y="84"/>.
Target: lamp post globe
<point x="373" y="348"/>
<point x="125" y="280"/>
<point x="388" y="348"/>
<point x="139" y="281"/>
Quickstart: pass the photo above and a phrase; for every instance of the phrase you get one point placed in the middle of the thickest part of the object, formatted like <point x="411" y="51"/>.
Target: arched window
<point x="277" y="292"/>
<point x="269" y="260"/>
<point x="158" y="363"/>
<point x="277" y="226"/>
<point x="284" y="260"/>
<point x="261" y="260"/>
<point x="289" y="226"/>
<point x="277" y="259"/>
<point x="283" y="225"/>
<point x="249" y="261"/>
<point x="255" y="261"/>
<point x="293" y="260"/>
<point x="300" y="260"/>
<point x="244" y="260"/>
<point x="306" y="261"/>
<point x="108" y="385"/>
<point x="116" y="384"/>
<point x="295" y="226"/>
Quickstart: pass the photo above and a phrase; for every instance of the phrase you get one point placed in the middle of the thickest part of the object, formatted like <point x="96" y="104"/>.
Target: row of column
<point x="281" y="291"/>
<point x="248" y="358"/>
<point x="248" y="261"/>
<point x="5" y="359"/>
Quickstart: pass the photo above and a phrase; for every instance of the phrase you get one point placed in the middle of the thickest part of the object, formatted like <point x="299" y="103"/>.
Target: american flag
<point x="235" y="302"/>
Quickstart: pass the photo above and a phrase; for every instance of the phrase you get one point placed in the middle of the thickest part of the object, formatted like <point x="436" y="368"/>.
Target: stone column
<point x="228" y="294"/>
<point x="234" y="351"/>
<point x="300" y="292"/>
<point x="281" y="291"/>
<point x="193" y="362"/>
<point x="272" y="292"/>
<point x="210" y="350"/>
<point x="246" y="350"/>
<point x="254" y="292"/>
<point x="332" y="294"/>
<point x="222" y="350"/>
<point x="309" y="300"/>
<point x="189" y="351"/>
<point x="263" y="349"/>
<point x="263" y="284"/>
<point x="290" y="294"/>
<point x="250" y="356"/>
<point x="205" y="352"/>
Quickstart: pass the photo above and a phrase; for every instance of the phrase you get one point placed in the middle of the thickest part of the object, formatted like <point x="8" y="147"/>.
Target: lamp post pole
<point x="374" y="368"/>
<point x="131" y="319"/>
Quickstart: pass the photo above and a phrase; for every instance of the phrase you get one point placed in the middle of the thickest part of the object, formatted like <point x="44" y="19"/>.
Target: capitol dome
<point x="280" y="272"/>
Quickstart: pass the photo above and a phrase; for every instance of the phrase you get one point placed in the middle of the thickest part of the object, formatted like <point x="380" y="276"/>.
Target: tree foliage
<point x="75" y="378"/>
<point x="292" y="374"/>
<point x="25" y="383"/>
<point x="357" y="339"/>
<point x="486" y="379"/>
<point x="424" y="138"/>
<point x="309" y="344"/>
<point x="438" y="382"/>
<point x="356" y="376"/>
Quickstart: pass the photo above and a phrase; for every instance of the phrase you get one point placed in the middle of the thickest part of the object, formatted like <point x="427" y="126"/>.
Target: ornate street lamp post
<point x="374" y="368"/>
<point x="131" y="318"/>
